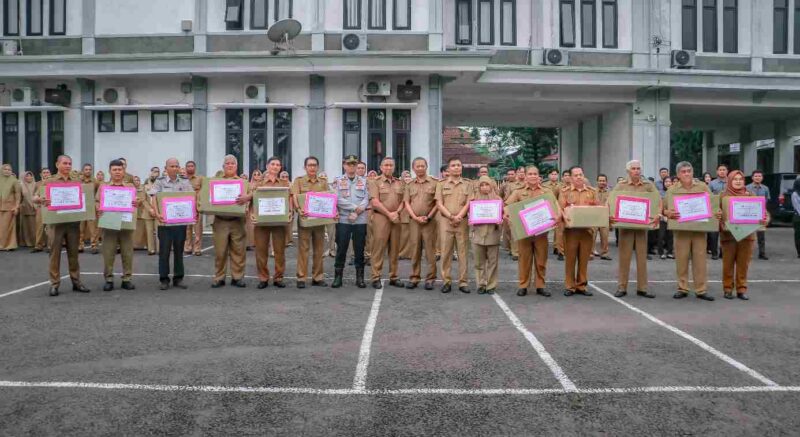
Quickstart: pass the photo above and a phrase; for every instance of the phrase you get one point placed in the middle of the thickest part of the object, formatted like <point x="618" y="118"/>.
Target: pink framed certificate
<point x="320" y="205"/>
<point x="749" y="210"/>
<point x="537" y="219"/>
<point x="65" y="196"/>
<point x="225" y="192"/>
<point x="178" y="210"/>
<point x="486" y="212"/>
<point x="634" y="210"/>
<point x="117" y="199"/>
<point x="692" y="207"/>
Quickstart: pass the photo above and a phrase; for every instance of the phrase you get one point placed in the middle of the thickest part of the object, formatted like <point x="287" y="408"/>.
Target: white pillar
<point x="784" y="146"/>
<point x="651" y="130"/>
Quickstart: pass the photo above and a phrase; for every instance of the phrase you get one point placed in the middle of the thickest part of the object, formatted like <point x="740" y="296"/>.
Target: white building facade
<point x="197" y="79"/>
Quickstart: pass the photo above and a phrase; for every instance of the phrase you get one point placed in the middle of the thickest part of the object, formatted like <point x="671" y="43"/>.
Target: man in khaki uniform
<point x="634" y="239"/>
<point x="452" y="198"/>
<point x="194" y="233"/>
<point x="10" y="198"/>
<point x="68" y="233"/>
<point x="42" y="238"/>
<point x="313" y="237"/>
<point x="89" y="229"/>
<point x="229" y="236"/>
<point x="519" y="182"/>
<point x="689" y="245"/>
<point x="386" y="197"/>
<point x="420" y="203"/>
<point x="265" y="234"/>
<point x="112" y="239"/>
<point x="146" y="225"/>
<point x="128" y="178"/>
<point x="602" y="197"/>
<point x="578" y="241"/>
<point x="558" y="246"/>
<point x="533" y="249"/>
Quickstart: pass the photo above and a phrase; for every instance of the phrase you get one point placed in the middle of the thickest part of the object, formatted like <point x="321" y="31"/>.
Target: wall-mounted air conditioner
<point x="376" y="88"/>
<point x="555" y="57"/>
<point x="22" y="96"/>
<point x="683" y="59"/>
<point x="354" y="42"/>
<point x="255" y="93"/>
<point x="114" y="96"/>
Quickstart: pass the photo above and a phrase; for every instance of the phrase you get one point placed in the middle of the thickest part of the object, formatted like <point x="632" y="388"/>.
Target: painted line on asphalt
<point x="30" y="287"/>
<point x="360" y="380"/>
<point x="537" y="345"/>
<point x="397" y="392"/>
<point x="203" y="250"/>
<point x="703" y="345"/>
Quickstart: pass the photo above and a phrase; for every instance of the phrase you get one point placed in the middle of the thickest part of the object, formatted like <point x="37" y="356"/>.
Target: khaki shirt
<point x="305" y="184"/>
<point x="111" y="184"/>
<point x="143" y="211"/>
<point x="196" y="182"/>
<point x="586" y="196"/>
<point x="602" y="196"/>
<point x="11" y="201"/>
<point x="486" y="235"/>
<point x="642" y="186"/>
<point x="454" y="194"/>
<point x="511" y="187"/>
<point x="526" y="193"/>
<point x="420" y="194"/>
<point x="388" y="191"/>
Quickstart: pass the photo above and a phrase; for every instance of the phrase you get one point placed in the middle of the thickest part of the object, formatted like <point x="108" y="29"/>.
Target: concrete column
<point x="590" y="147"/>
<point x="22" y="132"/>
<point x="784" y="145"/>
<point x="709" y="153"/>
<point x="87" y="27"/>
<point x="318" y="25"/>
<point x="200" y="26"/>
<point x="747" y="150"/>
<point x="651" y="130"/>
<point x="435" y="86"/>
<point x="569" y="147"/>
<point x="200" y="123"/>
<point x="435" y="25"/>
<point x="316" y="118"/>
<point x="86" y="88"/>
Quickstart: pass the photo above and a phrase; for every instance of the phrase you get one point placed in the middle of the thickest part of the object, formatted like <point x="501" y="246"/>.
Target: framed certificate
<point x="178" y="210"/>
<point x="749" y="210"/>
<point x="320" y="205"/>
<point x="225" y="191"/>
<point x="486" y="212"/>
<point x="117" y="199"/>
<point x="65" y="196"/>
<point x="629" y="209"/>
<point x="84" y="213"/>
<point x="710" y="224"/>
<point x="692" y="207"/>
<point x="538" y="218"/>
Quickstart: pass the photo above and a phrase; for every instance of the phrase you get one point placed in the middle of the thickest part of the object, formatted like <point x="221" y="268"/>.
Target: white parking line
<point x="703" y="345"/>
<point x="360" y="380"/>
<point x="537" y="345"/>
<point x="30" y="287"/>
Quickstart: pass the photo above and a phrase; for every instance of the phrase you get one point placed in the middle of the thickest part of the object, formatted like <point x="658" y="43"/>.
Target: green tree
<point x="687" y="146"/>
<point x="513" y="147"/>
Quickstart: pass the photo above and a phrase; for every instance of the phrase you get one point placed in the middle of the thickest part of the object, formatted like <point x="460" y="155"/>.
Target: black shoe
<point x="464" y="289"/>
<point x="514" y="258"/>
<point x="164" y="286"/>
<point x="95" y="251"/>
<point x="320" y="283"/>
<point x="262" y="285"/>
<point x="679" y="295"/>
<point x="481" y="290"/>
<point x="108" y="287"/>
<point x="36" y="250"/>
<point x="542" y="292"/>
<point x="218" y="284"/>
<point x="360" y="283"/>
<point x="646" y="294"/>
<point x="727" y="295"/>
<point x="560" y="257"/>
<point x="337" y="278"/>
<point x="649" y="257"/>
<point x="620" y="293"/>
<point x="446" y="288"/>
<point x="439" y="257"/>
<point x="396" y="283"/>
<point x="80" y="288"/>
<point x="411" y="285"/>
<point x="429" y="285"/>
<point x="705" y="297"/>
<point x="742" y="296"/>
<point x="178" y="283"/>
<point x="128" y="285"/>
<point x="764" y="257"/>
<point x="301" y="284"/>
<point x="376" y="284"/>
<point x="555" y="251"/>
<point x="522" y="292"/>
<point x="53" y="291"/>
<point x="584" y="292"/>
<point x="490" y="291"/>
<point x="568" y="293"/>
<point x="606" y="257"/>
<point x="238" y="283"/>
<point x="279" y="284"/>
<point x="714" y="257"/>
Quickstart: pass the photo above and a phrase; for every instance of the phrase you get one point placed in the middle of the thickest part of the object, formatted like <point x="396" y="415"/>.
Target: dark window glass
<point x="567" y="23"/>
<point x="377" y="14"/>
<point x="780" y="24"/>
<point x="401" y="130"/>
<point x="730" y="27"/>
<point x="376" y="138"/>
<point x="508" y="22"/>
<point x="11" y="140"/>
<point x="129" y="120"/>
<point x="183" y="121"/>
<point x="352" y="14"/>
<point x="797" y="27"/>
<point x="234" y="134"/>
<point x="258" y="140"/>
<point x="689" y="24"/>
<point x="709" y="25"/>
<point x="105" y="121"/>
<point x="464" y="22"/>
<point x="259" y="13"/>
<point x="486" y="22"/>
<point x="283" y="9"/>
<point x="11" y="17"/>
<point x="33" y="141"/>
<point x="58" y="17"/>
<point x="55" y="138"/>
<point x="588" y="20"/>
<point x="282" y="137"/>
<point x="233" y="14"/>
<point x="610" y="24"/>
<point x="34" y="17"/>
<point x="351" y="141"/>
<point x="402" y="15"/>
<point x="159" y="121"/>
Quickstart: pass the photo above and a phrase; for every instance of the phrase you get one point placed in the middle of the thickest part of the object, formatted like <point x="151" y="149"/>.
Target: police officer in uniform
<point x="113" y="239"/>
<point x="353" y="200"/>
<point x="420" y="203"/>
<point x="313" y="236"/>
<point x="577" y="241"/>
<point x="452" y="198"/>
<point x="386" y="197"/>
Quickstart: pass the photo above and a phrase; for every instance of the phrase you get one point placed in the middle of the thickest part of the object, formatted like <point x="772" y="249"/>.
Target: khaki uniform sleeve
<point x="372" y="190"/>
<point x="295" y="189"/>
<point x="471" y="195"/>
<point x="438" y="195"/>
<point x="407" y="193"/>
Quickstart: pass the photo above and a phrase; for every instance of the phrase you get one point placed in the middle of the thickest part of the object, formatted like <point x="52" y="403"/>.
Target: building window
<point x="588" y="22"/>
<point x="11" y="140"/>
<point x="129" y="120"/>
<point x="55" y="138"/>
<point x="58" y="17"/>
<point x="233" y="134"/>
<point x="567" y="23"/>
<point x="486" y="22"/>
<point x="259" y="13"/>
<point x="351" y="132"/>
<point x="282" y="137"/>
<point x="610" y="24"/>
<point x="159" y="121"/>
<point x="377" y="14"/>
<point x="352" y="14"/>
<point x="797" y="27"/>
<point x="11" y="17"/>
<point x="730" y="27"/>
<point x="780" y="24"/>
<point x="710" y="26"/>
<point x="689" y="24"/>
<point x="183" y="121"/>
<point x="33" y="141"/>
<point x="401" y="132"/>
<point x="508" y="22"/>
<point x="105" y="121"/>
<point x="258" y="140"/>
<point x="376" y="138"/>
<point x="464" y="22"/>
<point x="283" y="9"/>
<point x="401" y="15"/>
<point x="233" y="14"/>
<point x="33" y="18"/>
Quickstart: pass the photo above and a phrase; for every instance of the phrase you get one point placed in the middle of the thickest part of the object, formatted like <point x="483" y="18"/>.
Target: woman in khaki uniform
<point x="736" y="255"/>
<point x="289" y="228"/>
<point x="250" y="227"/>
<point x="144" y="235"/>
<point x="42" y="233"/>
<point x="405" y="233"/>
<point x="486" y="242"/>
<point x="27" y="212"/>
<point x="10" y="197"/>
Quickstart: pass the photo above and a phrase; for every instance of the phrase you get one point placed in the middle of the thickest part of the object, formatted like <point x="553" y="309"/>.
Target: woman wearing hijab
<point x="736" y="255"/>
<point x="486" y="242"/>
<point x="10" y="197"/>
<point x="796" y="218"/>
<point x="27" y="211"/>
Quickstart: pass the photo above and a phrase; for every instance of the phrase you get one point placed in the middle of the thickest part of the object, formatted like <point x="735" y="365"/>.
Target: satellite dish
<point x="283" y="32"/>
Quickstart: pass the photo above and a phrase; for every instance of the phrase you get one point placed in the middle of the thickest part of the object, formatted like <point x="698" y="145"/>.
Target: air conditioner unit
<point x="354" y="42"/>
<point x="683" y="59"/>
<point x="255" y="93"/>
<point x="10" y="47"/>
<point x="21" y="96"/>
<point x="555" y="57"/>
<point x="115" y="96"/>
<point x="376" y="88"/>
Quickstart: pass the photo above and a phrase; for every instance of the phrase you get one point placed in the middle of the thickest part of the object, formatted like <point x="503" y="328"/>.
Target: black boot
<point x="360" y="278"/>
<point x="337" y="278"/>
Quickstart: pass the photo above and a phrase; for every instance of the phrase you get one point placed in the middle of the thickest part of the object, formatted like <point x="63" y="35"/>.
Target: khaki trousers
<point x="578" y="250"/>
<point x="8" y="230"/>
<point x="736" y="258"/>
<point x="263" y="236"/>
<point x="314" y="239"/>
<point x="630" y="240"/>
<point x="66" y="235"/>
<point x="532" y="250"/>
<point x="507" y="238"/>
<point x="330" y="244"/>
<point x="405" y="240"/>
<point x="455" y="237"/>
<point x="422" y="237"/>
<point x="486" y="265"/>
<point x="229" y="242"/>
<point x="691" y="246"/>
<point x="90" y="231"/>
<point x="27" y="230"/>
<point x="111" y="240"/>
<point x="194" y="237"/>
<point x="42" y="234"/>
<point x="559" y="239"/>
<point x="385" y="234"/>
<point x="603" y="232"/>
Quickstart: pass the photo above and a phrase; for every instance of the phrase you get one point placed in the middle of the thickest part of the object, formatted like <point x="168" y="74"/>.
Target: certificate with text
<point x="692" y="207"/>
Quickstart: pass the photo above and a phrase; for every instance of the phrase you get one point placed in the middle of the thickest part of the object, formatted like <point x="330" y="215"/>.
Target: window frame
<point x="256" y="161"/>
<point x="6" y="18"/>
<point x="52" y="18"/>
<point x="55" y="138"/>
<point x="513" y="41"/>
<point x="122" y="115"/>
<point x="714" y="36"/>
<point x="592" y="23"/>
<point x="796" y="27"/>
<point x="188" y="112"/>
<point x="374" y="162"/>
<point x="29" y="18"/>
<point x="100" y="115"/>
<point x="345" y="130"/>
<point x="239" y="23"/>
<point x="692" y="42"/>
<point x="153" y="115"/>
<point x="10" y="134"/>
<point x="346" y="13"/>
<point x="614" y="20"/>
<point x="239" y="133"/>
<point x="286" y="159"/>
<point x="370" y="26"/>
<point x="277" y="9"/>
<point x="479" y="24"/>
<point x="467" y="42"/>
<point x="394" y="15"/>
<point x="561" y="42"/>
<point x="725" y="24"/>
<point x="785" y="37"/>
<point x="33" y="141"/>
<point x="253" y="15"/>
<point x="401" y="162"/>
